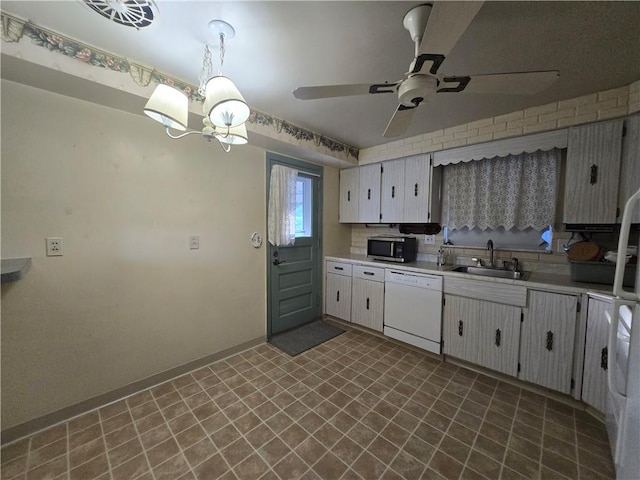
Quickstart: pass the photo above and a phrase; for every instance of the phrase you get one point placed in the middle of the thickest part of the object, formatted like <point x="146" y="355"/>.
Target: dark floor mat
<point x="303" y="338"/>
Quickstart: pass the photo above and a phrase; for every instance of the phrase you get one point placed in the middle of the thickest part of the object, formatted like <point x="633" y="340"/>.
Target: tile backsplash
<point x="546" y="262"/>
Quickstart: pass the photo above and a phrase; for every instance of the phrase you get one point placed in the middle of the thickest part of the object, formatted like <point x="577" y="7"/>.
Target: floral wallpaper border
<point x="13" y="29"/>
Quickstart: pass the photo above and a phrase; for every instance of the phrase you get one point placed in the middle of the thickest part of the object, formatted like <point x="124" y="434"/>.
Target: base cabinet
<point x="338" y="290"/>
<point x="594" y="380"/>
<point x="367" y="304"/>
<point x="485" y="333"/>
<point x="548" y="333"/>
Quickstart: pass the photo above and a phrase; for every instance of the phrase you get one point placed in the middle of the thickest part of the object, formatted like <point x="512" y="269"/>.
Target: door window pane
<point x="303" y="206"/>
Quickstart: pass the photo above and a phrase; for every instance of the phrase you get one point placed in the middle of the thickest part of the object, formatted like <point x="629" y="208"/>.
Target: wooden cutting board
<point x="584" y="251"/>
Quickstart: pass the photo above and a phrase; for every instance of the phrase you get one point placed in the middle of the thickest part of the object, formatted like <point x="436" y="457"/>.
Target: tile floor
<point x="356" y="407"/>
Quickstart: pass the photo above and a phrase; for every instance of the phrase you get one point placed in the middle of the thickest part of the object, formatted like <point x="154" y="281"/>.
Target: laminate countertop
<point x="537" y="280"/>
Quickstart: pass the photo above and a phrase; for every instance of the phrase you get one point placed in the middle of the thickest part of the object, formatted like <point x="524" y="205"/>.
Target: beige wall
<point x="128" y="299"/>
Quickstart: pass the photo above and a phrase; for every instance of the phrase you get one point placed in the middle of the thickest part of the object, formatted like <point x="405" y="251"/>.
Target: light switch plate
<point x="194" y="242"/>
<point x="429" y="239"/>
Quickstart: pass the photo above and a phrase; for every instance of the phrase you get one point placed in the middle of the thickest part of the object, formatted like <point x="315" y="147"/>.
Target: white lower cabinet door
<point x="367" y="303"/>
<point x="499" y="337"/>
<point x="460" y="327"/>
<point x="338" y="299"/>
<point x="548" y="333"/>
<point x="594" y="380"/>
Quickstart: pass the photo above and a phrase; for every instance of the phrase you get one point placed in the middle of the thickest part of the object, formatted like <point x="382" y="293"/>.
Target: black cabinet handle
<point x="415" y="190"/>
<point x="338" y="268"/>
<point x="549" y="340"/>
<point x="338" y="296"/>
<point x="367" y="304"/>
<point x="498" y="337"/>
<point x="593" y="177"/>
<point x="604" y="358"/>
<point x="348" y="195"/>
<point x="393" y="192"/>
<point x="460" y="328"/>
<point x="368" y="194"/>
<point x="369" y="273"/>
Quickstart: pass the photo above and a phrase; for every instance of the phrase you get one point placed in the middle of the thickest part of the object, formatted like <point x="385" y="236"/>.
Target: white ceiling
<point x="282" y="45"/>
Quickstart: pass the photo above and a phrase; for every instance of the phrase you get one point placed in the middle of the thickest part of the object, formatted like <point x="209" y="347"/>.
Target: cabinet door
<point x="499" y="337"/>
<point x="367" y="303"/>
<point x="460" y="327"/>
<point x="548" y="332"/>
<point x="593" y="172"/>
<point x="349" y="195"/>
<point x="594" y="380"/>
<point x="338" y="299"/>
<point x="369" y="194"/>
<point x="392" y="195"/>
<point x="417" y="173"/>
<point x="630" y="165"/>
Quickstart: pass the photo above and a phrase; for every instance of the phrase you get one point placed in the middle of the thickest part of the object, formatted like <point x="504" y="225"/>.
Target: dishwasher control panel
<point x="432" y="282"/>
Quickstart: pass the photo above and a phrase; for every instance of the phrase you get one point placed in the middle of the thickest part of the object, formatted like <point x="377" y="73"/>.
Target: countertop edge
<point x="545" y="281"/>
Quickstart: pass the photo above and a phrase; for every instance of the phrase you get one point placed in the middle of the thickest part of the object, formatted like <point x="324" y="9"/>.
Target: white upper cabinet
<point x="593" y="173"/>
<point x="392" y="198"/>
<point x="397" y="191"/>
<point x="630" y="165"/>
<point x="421" y="201"/>
<point x="349" y="195"/>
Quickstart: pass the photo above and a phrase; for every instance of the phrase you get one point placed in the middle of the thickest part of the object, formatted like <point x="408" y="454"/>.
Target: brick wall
<point x="603" y="105"/>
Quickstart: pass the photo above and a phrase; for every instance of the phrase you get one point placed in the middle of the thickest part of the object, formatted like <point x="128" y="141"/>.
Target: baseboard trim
<point x="30" y="427"/>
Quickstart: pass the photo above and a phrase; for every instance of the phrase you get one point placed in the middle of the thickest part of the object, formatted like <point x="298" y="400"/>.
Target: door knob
<point x="278" y="262"/>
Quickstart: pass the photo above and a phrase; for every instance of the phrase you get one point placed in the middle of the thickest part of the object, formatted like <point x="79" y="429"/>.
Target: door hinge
<point x="380" y="216"/>
<point x="444" y="301"/>
<point x="431" y="160"/>
<point x="521" y="317"/>
<point x="518" y="368"/>
<point x="578" y="307"/>
<point x="381" y="168"/>
<point x="573" y="384"/>
<point x="617" y="212"/>
<point x="624" y="131"/>
<point x="428" y="216"/>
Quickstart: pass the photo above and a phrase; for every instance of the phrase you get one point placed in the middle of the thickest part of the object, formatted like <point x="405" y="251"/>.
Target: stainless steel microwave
<point x="392" y="248"/>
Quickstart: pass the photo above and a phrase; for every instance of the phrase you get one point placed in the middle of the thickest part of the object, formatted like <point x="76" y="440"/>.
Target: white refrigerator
<point x="623" y="373"/>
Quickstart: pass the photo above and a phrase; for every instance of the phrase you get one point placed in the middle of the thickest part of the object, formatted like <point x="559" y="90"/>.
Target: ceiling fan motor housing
<point x="415" y="89"/>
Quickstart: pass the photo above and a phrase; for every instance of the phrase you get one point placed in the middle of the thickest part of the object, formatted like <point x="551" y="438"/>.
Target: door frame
<point x="315" y="171"/>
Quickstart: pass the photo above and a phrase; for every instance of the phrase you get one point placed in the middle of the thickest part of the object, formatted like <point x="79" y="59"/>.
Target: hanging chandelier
<point x="225" y="110"/>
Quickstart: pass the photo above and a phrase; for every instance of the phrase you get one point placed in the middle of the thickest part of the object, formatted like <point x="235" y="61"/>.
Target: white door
<point x="417" y="181"/>
<point x="338" y="301"/>
<point x="349" y="195"/>
<point x="594" y="380"/>
<point x="369" y="194"/>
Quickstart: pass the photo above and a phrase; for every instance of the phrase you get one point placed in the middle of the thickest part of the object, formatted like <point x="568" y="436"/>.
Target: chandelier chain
<point x="206" y="72"/>
<point x="221" y="53"/>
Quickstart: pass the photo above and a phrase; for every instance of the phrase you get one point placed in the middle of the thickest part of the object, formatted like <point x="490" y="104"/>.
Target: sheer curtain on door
<point x="282" y="206"/>
<point x="517" y="191"/>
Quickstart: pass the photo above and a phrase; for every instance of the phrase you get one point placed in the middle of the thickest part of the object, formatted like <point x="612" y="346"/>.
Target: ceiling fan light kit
<point x="225" y="109"/>
<point x="435" y="29"/>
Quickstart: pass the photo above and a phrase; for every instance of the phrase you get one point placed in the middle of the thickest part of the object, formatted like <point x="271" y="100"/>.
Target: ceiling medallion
<point x="130" y="13"/>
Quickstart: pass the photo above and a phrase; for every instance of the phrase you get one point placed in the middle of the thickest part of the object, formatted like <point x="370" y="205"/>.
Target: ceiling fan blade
<point x="447" y="22"/>
<point x="328" y="91"/>
<point x="399" y="121"/>
<point x="520" y="83"/>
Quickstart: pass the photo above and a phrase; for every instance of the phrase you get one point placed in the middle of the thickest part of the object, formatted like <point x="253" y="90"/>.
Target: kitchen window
<point x="511" y="200"/>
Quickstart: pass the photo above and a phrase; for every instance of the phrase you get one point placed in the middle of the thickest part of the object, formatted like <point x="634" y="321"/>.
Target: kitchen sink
<point x="493" y="272"/>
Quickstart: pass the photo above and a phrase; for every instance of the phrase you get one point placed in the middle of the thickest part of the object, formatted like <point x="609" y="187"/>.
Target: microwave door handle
<point x="623" y="241"/>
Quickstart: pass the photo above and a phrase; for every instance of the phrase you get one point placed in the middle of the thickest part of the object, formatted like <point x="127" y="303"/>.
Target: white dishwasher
<point x="413" y="309"/>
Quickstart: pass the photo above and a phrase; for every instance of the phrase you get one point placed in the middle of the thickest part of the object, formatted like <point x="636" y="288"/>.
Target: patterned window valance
<point x="501" y="148"/>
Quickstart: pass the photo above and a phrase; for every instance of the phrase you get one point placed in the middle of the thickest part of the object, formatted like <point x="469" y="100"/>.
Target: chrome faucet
<point x="490" y="248"/>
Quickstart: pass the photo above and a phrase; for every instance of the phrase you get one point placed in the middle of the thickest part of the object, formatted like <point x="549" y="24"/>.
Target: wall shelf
<point x="14" y="268"/>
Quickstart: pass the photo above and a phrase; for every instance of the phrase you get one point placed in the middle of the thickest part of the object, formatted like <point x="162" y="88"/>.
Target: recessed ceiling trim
<point x="130" y="13"/>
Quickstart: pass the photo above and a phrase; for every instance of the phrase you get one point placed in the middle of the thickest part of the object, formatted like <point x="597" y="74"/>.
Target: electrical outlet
<point x="54" y="246"/>
<point x="429" y="239"/>
<point x="194" y="242"/>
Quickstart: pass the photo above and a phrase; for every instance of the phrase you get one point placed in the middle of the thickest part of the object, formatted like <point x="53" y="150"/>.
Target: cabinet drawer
<point x="490" y="291"/>
<point x="368" y="273"/>
<point x="339" y="268"/>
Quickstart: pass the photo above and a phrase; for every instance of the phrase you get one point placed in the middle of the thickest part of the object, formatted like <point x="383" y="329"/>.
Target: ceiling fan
<point x="435" y="29"/>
